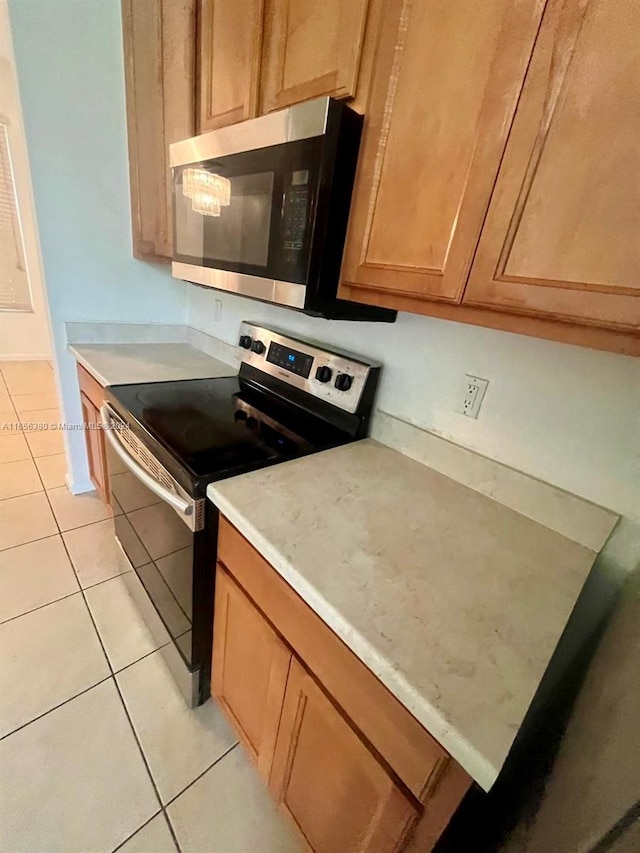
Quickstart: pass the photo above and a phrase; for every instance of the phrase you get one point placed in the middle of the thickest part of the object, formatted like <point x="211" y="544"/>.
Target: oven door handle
<point x="181" y="506"/>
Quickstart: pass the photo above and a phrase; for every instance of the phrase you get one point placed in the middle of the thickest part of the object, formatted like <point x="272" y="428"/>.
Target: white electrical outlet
<point x="217" y="310"/>
<point x="471" y="396"/>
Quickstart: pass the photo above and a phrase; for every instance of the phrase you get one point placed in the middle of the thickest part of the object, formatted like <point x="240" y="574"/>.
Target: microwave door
<point x="248" y="214"/>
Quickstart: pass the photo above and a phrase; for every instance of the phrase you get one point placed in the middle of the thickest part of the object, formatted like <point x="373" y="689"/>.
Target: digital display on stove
<point x="290" y="359"/>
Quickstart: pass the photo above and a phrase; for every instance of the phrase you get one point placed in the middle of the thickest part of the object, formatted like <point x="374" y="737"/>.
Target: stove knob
<point x="245" y="341"/>
<point x="258" y="347"/>
<point x="343" y="381"/>
<point x="324" y="373"/>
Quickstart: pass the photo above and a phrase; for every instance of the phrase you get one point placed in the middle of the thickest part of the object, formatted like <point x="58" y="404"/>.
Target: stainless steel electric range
<point x="168" y="440"/>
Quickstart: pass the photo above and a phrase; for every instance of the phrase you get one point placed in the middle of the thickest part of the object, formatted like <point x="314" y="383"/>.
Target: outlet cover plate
<point x="471" y="395"/>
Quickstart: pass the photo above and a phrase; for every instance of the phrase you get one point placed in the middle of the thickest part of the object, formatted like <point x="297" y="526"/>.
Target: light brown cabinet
<point x="91" y="396"/>
<point x="229" y="52"/>
<point x="430" y="152"/>
<point x="558" y="253"/>
<point x="562" y="235"/>
<point x="328" y="782"/>
<point x="159" y="53"/>
<point x="343" y="759"/>
<point x="250" y="671"/>
<point x="496" y="180"/>
<point x="312" y="49"/>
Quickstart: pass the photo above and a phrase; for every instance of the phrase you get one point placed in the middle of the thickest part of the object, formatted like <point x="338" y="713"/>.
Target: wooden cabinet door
<point x="159" y="56"/>
<point x="562" y="235"/>
<point x="249" y="670"/>
<point x="95" y="446"/>
<point x="312" y="49"/>
<point x="230" y="43"/>
<point x="446" y="83"/>
<point x="329" y="782"/>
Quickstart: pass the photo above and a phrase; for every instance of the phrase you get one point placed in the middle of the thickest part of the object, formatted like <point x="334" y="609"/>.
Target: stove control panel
<point x="339" y="378"/>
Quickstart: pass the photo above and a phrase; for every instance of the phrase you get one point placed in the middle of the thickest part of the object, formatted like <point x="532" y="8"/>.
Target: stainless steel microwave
<point x="261" y="207"/>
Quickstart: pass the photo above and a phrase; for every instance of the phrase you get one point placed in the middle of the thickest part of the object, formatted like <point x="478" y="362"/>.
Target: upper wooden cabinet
<point x="159" y="51"/>
<point x="497" y="179"/>
<point x="447" y="79"/>
<point x="230" y="44"/>
<point x="562" y="236"/>
<point x="312" y="49"/>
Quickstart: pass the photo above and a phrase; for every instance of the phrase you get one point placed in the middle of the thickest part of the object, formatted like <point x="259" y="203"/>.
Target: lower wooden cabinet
<point x="91" y="394"/>
<point x="345" y="783"/>
<point x="250" y="671"/>
<point x="328" y="781"/>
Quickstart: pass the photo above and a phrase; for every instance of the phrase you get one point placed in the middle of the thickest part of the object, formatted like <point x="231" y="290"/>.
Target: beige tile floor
<point x="98" y="751"/>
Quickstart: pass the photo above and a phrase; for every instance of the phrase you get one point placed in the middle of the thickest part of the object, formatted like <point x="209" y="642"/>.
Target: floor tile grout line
<point x="104" y="652"/>
<point x="171" y="830"/>
<point x="113" y="674"/>
<point x="139" y="829"/>
<point x="165" y="806"/>
<point x="40" y="606"/>
<point x="59" y="531"/>
<point x="117" y="672"/>
<point x="23" y="494"/>
<point x="55" y="708"/>
<point x="200" y="775"/>
<point x="29" y="541"/>
<point x="117" y="687"/>
<point x="141" y="750"/>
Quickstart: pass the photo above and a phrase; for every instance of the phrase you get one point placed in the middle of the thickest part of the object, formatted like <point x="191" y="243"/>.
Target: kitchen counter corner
<point x="454" y="601"/>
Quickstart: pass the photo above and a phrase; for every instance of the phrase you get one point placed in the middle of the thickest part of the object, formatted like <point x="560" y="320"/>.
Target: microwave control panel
<point x="296" y="204"/>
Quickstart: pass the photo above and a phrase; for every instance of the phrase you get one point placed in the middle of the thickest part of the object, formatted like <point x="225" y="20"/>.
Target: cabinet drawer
<point x="394" y="733"/>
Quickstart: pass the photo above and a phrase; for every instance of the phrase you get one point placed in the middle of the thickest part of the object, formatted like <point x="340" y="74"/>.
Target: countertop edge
<point x="87" y="366"/>
<point x="474" y="763"/>
<point x="75" y="349"/>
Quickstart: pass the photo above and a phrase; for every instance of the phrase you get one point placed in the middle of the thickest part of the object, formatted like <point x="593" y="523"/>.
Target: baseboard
<point x="78" y="487"/>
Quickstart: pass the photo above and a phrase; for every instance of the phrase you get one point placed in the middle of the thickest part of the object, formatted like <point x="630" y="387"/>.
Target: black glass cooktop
<point x="215" y="428"/>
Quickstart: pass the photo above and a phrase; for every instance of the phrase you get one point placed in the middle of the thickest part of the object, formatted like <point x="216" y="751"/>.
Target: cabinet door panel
<point x="562" y="233"/>
<point x="312" y="49"/>
<point x="328" y="782"/>
<point x="249" y="671"/>
<point x="159" y="53"/>
<point x="229" y="61"/>
<point x="446" y="84"/>
<point x="95" y="447"/>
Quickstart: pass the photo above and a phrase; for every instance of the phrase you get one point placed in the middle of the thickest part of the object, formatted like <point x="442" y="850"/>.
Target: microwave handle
<point x="181" y="506"/>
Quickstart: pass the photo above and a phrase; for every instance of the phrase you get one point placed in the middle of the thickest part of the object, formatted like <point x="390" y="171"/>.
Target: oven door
<point x="156" y="524"/>
<point x="245" y="221"/>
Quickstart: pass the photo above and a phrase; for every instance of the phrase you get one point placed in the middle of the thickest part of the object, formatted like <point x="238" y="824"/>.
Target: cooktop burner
<point x="215" y="428"/>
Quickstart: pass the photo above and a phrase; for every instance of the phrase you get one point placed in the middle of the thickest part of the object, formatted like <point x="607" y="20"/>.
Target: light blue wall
<point x="70" y="74"/>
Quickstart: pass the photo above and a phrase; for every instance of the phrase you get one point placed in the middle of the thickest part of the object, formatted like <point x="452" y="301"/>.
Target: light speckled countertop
<point x="124" y="363"/>
<point x="455" y="601"/>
